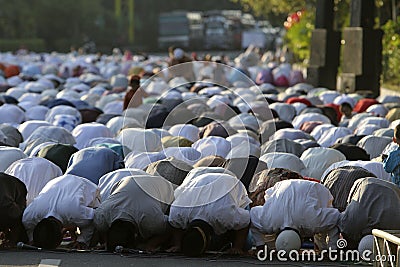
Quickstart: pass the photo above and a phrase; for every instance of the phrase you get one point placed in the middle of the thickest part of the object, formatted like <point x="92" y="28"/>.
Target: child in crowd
<point x="391" y="163"/>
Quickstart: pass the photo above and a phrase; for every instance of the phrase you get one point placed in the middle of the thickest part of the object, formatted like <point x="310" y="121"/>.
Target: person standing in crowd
<point x="65" y="203"/>
<point x="134" y="97"/>
<point x="178" y="68"/>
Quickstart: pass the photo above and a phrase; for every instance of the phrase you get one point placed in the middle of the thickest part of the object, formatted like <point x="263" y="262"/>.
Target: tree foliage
<point x="276" y="7"/>
<point x="64" y="23"/>
<point x="391" y="52"/>
<point x="299" y="35"/>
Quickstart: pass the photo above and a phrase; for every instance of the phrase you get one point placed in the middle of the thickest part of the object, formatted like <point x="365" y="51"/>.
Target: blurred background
<point x="151" y="26"/>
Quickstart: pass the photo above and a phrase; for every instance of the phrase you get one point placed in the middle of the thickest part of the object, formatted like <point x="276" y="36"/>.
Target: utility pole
<point x="362" y="51"/>
<point x="325" y="47"/>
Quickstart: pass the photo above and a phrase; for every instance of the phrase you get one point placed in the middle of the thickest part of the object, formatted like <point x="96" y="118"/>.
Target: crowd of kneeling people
<point x="193" y="169"/>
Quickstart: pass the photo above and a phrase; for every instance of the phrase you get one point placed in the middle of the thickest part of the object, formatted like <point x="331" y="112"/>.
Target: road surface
<point x="65" y="259"/>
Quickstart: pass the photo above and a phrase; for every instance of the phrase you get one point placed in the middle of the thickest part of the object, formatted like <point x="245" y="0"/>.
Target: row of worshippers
<point x="175" y="207"/>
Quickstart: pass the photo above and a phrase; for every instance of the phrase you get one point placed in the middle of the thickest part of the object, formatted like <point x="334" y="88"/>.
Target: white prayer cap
<point x="178" y="53"/>
<point x="287" y="241"/>
<point x="366" y="244"/>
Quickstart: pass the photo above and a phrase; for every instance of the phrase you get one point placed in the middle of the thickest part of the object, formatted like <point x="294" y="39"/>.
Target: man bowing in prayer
<point x="295" y="209"/>
<point x="136" y="212"/>
<point x="209" y="213"/>
<point x="66" y="202"/>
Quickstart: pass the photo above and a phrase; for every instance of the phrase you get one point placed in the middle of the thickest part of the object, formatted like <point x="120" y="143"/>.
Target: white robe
<point x="300" y="119"/>
<point x="8" y="155"/>
<point x="187" y="131"/>
<point x="298" y="204"/>
<point x="218" y="199"/>
<point x="283" y="160"/>
<point x="143" y="159"/>
<point x="12" y="114"/>
<point x="213" y="146"/>
<point x="285" y="111"/>
<point x="28" y="127"/>
<point x="84" y="133"/>
<point x="70" y="199"/>
<point x="63" y="109"/>
<point x="140" y="140"/>
<point x="331" y="135"/>
<point x="35" y="173"/>
<point x="374" y="145"/>
<point x="318" y="159"/>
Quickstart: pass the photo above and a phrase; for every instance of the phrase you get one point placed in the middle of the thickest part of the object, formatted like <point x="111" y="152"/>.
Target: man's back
<point x="373" y="203"/>
<point x="299" y="204"/>
<point x="140" y="199"/>
<point x="12" y="199"/>
<point x="67" y="198"/>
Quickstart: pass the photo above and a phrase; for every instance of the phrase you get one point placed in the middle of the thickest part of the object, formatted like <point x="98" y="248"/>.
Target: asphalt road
<point x="32" y="258"/>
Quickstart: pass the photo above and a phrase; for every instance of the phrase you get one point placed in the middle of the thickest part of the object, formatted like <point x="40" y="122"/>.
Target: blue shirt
<point x="392" y="165"/>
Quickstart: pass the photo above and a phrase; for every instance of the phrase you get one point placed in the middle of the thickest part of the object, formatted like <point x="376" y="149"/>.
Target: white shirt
<point x="28" y="127"/>
<point x="188" y="131"/>
<point x="318" y="159"/>
<point x="331" y="135"/>
<point x="283" y="160"/>
<point x="140" y="140"/>
<point x="84" y="133"/>
<point x="10" y="113"/>
<point x="34" y="173"/>
<point x="8" y="155"/>
<point x="213" y="146"/>
<point x="298" y="204"/>
<point x="70" y="199"/>
<point x="300" y="119"/>
<point x="218" y="199"/>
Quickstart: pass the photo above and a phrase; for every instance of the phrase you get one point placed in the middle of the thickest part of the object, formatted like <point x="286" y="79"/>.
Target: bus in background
<point x="223" y="28"/>
<point x="181" y="29"/>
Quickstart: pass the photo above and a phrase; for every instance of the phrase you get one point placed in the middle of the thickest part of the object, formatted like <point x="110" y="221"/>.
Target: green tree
<point x="266" y="8"/>
<point x="299" y="35"/>
<point x="63" y="23"/>
<point x="391" y="52"/>
<point x="16" y="19"/>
